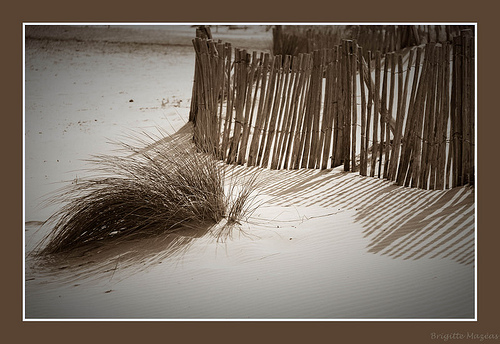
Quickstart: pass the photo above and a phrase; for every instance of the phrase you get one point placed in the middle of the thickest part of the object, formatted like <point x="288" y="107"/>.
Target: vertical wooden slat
<point x="407" y="140"/>
<point x="229" y="105"/>
<point x="363" y="157"/>
<point x="222" y="87"/>
<point x="341" y="102"/>
<point x="204" y="122"/>
<point x="259" y="87"/>
<point x="338" y="110"/>
<point x="383" y="117"/>
<point x="212" y="97"/>
<point x="308" y="116"/>
<point x="290" y="70"/>
<point x="457" y="112"/>
<point x="401" y="113"/>
<point x="376" y="95"/>
<point x="435" y="173"/>
<point x="315" y="150"/>
<point x="273" y="120"/>
<point x="319" y="110"/>
<point x="354" y="57"/>
<point x="334" y="105"/>
<point x="451" y="164"/>
<point x="297" y="91"/>
<point x="466" y="118"/>
<point x="201" y="32"/>
<point x="396" y="59"/>
<point x="427" y="176"/>
<point x="427" y="140"/>
<point x="238" y="92"/>
<point x="218" y="56"/>
<point x="315" y="99"/>
<point x="472" y="113"/>
<point x="215" y="49"/>
<point x="249" y="105"/>
<point x="388" y="146"/>
<point x="268" y="106"/>
<point x="305" y="140"/>
<point x="445" y="151"/>
<point x="200" y="109"/>
<point x="300" y="132"/>
<point x="327" y="123"/>
<point x="369" y="110"/>
<point x="416" y="159"/>
<point x="254" y="146"/>
<point x="406" y="145"/>
<point x="436" y="134"/>
<point x="288" y="142"/>
<point x="347" y="105"/>
<point x="196" y="88"/>
<point x="239" y="88"/>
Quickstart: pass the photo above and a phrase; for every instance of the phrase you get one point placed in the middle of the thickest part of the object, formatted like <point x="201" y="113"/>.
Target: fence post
<point x="202" y="32"/>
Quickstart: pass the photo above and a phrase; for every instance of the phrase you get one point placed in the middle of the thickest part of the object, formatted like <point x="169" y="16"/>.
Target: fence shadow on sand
<point x="401" y="222"/>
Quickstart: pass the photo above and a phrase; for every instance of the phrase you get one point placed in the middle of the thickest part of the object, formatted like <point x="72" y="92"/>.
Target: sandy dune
<point x="322" y="245"/>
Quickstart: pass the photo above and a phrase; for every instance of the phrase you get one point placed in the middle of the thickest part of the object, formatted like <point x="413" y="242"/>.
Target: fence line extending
<point x="404" y="116"/>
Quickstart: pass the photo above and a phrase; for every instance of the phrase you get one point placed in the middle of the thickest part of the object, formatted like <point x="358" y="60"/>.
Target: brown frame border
<point x="260" y="11"/>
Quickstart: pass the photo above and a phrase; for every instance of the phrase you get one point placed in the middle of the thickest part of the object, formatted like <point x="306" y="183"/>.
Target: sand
<point x="322" y="245"/>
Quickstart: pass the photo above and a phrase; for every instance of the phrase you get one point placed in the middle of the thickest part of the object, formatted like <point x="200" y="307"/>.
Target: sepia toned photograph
<point x="249" y="171"/>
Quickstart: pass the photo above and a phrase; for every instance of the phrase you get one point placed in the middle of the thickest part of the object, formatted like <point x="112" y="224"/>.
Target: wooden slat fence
<point x="406" y="118"/>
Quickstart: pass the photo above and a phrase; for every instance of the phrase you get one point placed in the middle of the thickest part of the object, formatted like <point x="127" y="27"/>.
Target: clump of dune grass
<point x="146" y="192"/>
